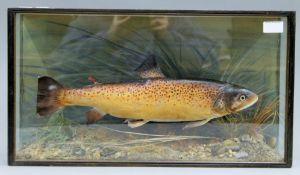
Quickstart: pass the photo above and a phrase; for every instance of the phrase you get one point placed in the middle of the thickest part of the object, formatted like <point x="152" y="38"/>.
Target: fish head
<point x="234" y="99"/>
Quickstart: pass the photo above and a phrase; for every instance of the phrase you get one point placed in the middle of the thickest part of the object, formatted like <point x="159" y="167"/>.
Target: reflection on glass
<point x="150" y="88"/>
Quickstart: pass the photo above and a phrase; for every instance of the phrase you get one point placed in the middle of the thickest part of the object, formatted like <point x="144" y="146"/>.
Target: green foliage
<point x="58" y="129"/>
<point x="252" y="122"/>
<point x="58" y="119"/>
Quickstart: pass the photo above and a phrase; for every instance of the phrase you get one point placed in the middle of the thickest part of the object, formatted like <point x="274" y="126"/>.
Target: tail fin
<point x="47" y="96"/>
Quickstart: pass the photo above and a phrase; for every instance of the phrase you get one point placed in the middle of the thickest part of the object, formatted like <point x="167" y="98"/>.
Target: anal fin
<point x="132" y="123"/>
<point x="196" y="123"/>
<point x="93" y="115"/>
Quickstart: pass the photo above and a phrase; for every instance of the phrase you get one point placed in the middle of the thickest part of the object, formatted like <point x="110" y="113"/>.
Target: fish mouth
<point x="252" y="101"/>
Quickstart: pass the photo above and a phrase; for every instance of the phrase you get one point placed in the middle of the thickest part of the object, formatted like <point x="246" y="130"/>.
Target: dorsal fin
<point x="149" y="68"/>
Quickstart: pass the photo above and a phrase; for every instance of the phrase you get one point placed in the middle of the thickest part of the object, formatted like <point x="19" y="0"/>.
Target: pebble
<point x="207" y="149"/>
<point x="221" y="155"/>
<point x="217" y="150"/>
<point x="201" y="148"/>
<point x="78" y="151"/>
<point x="233" y="148"/>
<point x="229" y="142"/>
<point x="43" y="157"/>
<point x="56" y="152"/>
<point x="118" y="155"/>
<point x="202" y="156"/>
<point x="107" y="152"/>
<point x="232" y="144"/>
<point x="98" y="147"/>
<point x="237" y="140"/>
<point x="241" y="155"/>
<point x="97" y="154"/>
<point x="44" y="145"/>
<point x="27" y="156"/>
<point x="246" y="138"/>
<point x="272" y="141"/>
<point x="259" y="138"/>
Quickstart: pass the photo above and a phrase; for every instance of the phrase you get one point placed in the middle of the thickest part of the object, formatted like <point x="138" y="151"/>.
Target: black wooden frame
<point x="289" y="86"/>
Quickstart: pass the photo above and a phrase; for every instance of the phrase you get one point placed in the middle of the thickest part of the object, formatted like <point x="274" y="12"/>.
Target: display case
<point x="150" y="88"/>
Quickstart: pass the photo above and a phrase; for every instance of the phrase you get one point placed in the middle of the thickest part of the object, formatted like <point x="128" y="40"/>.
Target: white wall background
<point x="293" y="5"/>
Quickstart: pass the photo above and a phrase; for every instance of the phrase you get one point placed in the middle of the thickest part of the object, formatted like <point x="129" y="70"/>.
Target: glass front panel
<point x="149" y="88"/>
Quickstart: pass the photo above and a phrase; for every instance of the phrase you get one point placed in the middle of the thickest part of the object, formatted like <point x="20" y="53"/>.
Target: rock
<point x="272" y="141"/>
<point x="246" y="138"/>
<point x="217" y="150"/>
<point x="257" y="137"/>
<point x="65" y="147"/>
<point x="230" y="153"/>
<point x="97" y="155"/>
<point x="233" y="148"/>
<point x="117" y="155"/>
<point x="202" y="156"/>
<point x="68" y="132"/>
<point x="201" y="148"/>
<point x="43" y="157"/>
<point x="44" y="144"/>
<point x="98" y="147"/>
<point x="207" y="149"/>
<point x="107" y="152"/>
<point x="27" y="156"/>
<point x="232" y="144"/>
<point x="78" y="151"/>
<point x="237" y="140"/>
<point x="56" y="152"/>
<point x="229" y="142"/>
<point x="241" y="155"/>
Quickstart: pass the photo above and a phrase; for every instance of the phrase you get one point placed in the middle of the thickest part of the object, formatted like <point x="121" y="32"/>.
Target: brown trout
<point x="153" y="98"/>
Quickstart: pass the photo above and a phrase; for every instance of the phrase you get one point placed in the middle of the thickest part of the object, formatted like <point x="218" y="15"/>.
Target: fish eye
<point x="243" y="97"/>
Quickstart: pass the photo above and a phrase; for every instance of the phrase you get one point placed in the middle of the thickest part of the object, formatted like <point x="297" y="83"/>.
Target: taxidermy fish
<point x="153" y="98"/>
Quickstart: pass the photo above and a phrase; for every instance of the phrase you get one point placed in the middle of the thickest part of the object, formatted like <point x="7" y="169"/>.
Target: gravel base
<point x="101" y="144"/>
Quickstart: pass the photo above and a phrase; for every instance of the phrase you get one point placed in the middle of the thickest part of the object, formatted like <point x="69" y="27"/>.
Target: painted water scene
<point x="150" y="87"/>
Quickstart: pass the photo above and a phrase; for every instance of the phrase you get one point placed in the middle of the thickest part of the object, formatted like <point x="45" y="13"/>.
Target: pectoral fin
<point x="196" y="123"/>
<point x="93" y="115"/>
<point x="135" y="123"/>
